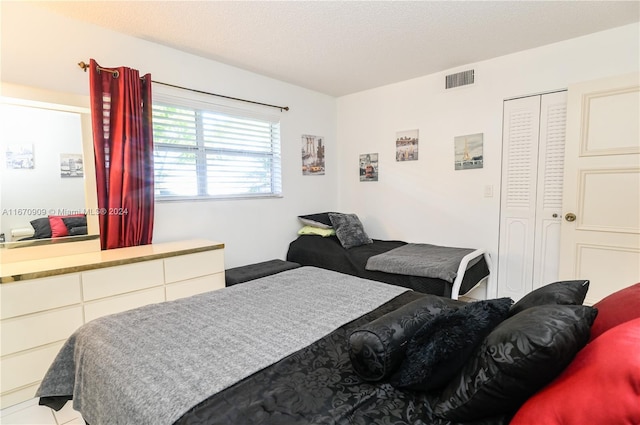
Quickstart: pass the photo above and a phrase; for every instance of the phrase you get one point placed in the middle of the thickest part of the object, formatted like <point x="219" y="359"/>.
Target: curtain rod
<point x="115" y="74"/>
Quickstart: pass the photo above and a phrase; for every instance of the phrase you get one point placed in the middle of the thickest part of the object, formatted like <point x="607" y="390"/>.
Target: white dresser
<point x="42" y="302"/>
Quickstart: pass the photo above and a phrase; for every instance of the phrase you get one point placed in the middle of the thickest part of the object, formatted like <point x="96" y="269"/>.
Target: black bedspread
<point x="317" y="385"/>
<point x="327" y="253"/>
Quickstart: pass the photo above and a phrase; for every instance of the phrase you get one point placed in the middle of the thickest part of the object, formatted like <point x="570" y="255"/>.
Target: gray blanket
<point x="150" y="365"/>
<point x="424" y="260"/>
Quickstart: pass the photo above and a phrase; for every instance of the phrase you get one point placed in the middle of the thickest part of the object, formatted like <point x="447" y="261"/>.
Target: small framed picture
<point x="407" y="145"/>
<point x="71" y="165"/>
<point x="20" y="157"/>
<point x="468" y="151"/>
<point x="369" y="167"/>
<point x="312" y="155"/>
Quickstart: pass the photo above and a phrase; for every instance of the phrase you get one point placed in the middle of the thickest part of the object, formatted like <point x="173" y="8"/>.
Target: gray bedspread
<point x="424" y="260"/>
<point x="152" y="364"/>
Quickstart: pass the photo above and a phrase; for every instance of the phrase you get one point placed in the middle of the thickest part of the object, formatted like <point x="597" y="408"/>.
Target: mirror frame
<point x="13" y="94"/>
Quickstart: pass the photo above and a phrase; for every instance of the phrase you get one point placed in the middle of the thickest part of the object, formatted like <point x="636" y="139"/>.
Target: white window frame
<point x="201" y="150"/>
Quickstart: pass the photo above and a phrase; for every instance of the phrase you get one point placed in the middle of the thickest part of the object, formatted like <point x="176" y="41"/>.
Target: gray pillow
<point x="349" y="230"/>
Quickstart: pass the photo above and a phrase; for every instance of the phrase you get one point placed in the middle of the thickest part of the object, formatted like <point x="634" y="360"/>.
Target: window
<point x="209" y="151"/>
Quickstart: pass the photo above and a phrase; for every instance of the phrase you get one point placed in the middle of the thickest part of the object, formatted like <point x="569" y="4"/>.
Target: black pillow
<point x="78" y="230"/>
<point x="567" y="292"/>
<point x="349" y="230"/>
<point x="440" y="348"/>
<point x="71" y="222"/>
<point x="520" y="356"/>
<point x="41" y="227"/>
<point x="377" y="348"/>
<point x="320" y="220"/>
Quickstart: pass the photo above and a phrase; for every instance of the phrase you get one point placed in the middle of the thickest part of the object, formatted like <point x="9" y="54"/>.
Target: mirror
<point x="44" y="173"/>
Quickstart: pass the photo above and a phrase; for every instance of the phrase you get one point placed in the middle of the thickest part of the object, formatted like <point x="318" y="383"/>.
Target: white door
<point x="531" y="197"/>
<point x="600" y="235"/>
<point x="553" y="122"/>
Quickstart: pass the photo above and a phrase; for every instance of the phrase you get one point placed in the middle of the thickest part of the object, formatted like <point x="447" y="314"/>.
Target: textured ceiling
<point x="342" y="47"/>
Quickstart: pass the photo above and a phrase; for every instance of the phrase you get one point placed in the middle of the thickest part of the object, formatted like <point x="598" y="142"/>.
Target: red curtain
<point x="123" y="145"/>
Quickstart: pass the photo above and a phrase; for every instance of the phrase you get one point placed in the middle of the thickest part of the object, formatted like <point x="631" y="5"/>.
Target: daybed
<point x="338" y="242"/>
<point x="312" y="346"/>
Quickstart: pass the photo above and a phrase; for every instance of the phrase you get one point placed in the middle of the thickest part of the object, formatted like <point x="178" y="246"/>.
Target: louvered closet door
<point x="553" y="118"/>
<point x="521" y="129"/>
<point x="533" y="154"/>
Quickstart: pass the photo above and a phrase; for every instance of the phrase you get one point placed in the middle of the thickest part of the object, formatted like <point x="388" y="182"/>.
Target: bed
<point x="321" y="243"/>
<point x="312" y="346"/>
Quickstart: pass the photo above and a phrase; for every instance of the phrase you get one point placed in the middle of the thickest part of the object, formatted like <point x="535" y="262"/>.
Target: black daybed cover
<point x="327" y="253"/>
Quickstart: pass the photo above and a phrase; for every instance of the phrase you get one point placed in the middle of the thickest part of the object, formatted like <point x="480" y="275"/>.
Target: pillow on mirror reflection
<point x="78" y="231"/>
<point x="41" y="227"/>
<point x="58" y="226"/>
<point x="75" y="221"/>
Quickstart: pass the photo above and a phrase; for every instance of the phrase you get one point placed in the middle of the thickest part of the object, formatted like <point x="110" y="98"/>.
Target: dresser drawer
<point x="195" y="286"/>
<point x="24" y="297"/>
<point x="116" y="280"/>
<point x="117" y="304"/>
<point x="27" y="367"/>
<point x="38" y="329"/>
<point x="190" y="266"/>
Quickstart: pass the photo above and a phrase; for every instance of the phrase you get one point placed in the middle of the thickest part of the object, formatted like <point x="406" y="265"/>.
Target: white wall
<point x="421" y="201"/>
<point x="426" y="200"/>
<point x="42" y="49"/>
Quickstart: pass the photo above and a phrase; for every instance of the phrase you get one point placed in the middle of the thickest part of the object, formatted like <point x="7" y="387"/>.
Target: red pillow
<point x="600" y="386"/>
<point x="58" y="228"/>
<point x="617" y="308"/>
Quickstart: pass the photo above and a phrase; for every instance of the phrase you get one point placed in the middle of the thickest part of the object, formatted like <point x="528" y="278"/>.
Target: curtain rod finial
<point x="83" y="65"/>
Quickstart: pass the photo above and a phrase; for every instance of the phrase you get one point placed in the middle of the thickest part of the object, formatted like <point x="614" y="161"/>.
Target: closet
<point x="531" y="192"/>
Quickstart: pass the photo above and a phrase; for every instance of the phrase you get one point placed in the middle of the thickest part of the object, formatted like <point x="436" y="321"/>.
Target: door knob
<point x="570" y="217"/>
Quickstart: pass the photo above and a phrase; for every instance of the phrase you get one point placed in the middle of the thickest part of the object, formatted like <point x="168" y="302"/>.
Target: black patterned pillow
<point x="520" y="356"/>
<point x="349" y="230"/>
<point x="440" y="348"/>
<point x="377" y="348"/>
<point x="566" y="292"/>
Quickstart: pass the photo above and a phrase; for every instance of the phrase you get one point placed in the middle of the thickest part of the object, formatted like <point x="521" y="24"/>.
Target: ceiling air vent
<point x="460" y="79"/>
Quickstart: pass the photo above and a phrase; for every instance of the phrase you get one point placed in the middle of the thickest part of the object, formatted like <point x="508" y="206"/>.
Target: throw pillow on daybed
<point x="441" y="347"/>
<point x="311" y="230"/>
<point x="600" y="386"/>
<point x="377" y="348"/>
<point x="520" y="356"/>
<point x="349" y="230"/>
<point x="617" y="308"/>
<point x="320" y="220"/>
<point x="567" y="292"/>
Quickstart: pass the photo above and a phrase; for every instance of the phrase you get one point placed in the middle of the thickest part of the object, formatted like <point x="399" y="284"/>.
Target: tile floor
<point x="30" y="413"/>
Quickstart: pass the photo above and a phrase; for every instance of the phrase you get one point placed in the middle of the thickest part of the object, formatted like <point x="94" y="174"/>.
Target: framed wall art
<point x="312" y="155"/>
<point x="71" y="165"/>
<point x="369" y="167"/>
<point x="468" y="151"/>
<point x="407" y="145"/>
<point x="20" y="157"/>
